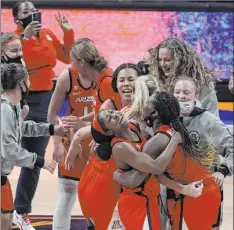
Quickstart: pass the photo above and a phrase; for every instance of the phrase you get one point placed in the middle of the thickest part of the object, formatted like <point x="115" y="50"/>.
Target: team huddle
<point x="142" y="147"/>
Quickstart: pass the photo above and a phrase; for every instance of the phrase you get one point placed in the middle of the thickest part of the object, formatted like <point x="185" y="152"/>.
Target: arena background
<point x="125" y="36"/>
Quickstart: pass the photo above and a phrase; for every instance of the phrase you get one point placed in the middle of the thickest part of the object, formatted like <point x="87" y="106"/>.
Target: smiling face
<point x="185" y="90"/>
<point x="114" y="120"/>
<point x="125" y="83"/>
<point x="13" y="49"/>
<point x="166" y="61"/>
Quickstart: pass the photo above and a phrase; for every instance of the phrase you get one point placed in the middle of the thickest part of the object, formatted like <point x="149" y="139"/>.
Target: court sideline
<point x="46" y="195"/>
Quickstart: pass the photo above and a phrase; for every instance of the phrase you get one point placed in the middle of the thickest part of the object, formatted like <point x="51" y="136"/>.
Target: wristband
<point x="23" y="36"/>
<point x="51" y="130"/>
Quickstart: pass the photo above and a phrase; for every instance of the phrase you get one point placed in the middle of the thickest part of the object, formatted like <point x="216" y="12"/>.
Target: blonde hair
<point x="86" y="49"/>
<point x="144" y="88"/>
<point x="187" y="62"/>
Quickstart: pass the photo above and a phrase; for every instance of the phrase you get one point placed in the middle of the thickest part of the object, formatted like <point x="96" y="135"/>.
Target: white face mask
<point x="186" y="107"/>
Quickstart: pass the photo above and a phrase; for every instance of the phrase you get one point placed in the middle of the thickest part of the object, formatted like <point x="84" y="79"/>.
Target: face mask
<point x="150" y="119"/>
<point x="186" y="107"/>
<point x="26" y="21"/>
<point x="8" y="60"/>
<point x="24" y="94"/>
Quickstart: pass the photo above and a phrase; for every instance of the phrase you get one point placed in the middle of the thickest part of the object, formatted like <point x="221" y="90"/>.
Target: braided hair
<point x="168" y="109"/>
<point x="118" y="69"/>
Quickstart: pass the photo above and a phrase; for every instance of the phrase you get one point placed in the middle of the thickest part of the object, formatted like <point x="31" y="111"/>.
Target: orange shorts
<point x="140" y="209"/>
<point x="199" y="213"/>
<point x="7" y="205"/>
<point x="79" y="165"/>
<point x="98" y="194"/>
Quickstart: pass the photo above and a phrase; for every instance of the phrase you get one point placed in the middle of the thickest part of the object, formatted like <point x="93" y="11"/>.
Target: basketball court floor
<point x="46" y="195"/>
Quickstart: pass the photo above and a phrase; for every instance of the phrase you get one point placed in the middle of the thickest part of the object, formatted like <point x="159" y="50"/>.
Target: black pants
<point x="28" y="180"/>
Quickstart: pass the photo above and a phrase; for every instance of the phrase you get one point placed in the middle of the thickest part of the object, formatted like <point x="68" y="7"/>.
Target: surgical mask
<point x="24" y="94"/>
<point x="8" y="60"/>
<point x="186" y="107"/>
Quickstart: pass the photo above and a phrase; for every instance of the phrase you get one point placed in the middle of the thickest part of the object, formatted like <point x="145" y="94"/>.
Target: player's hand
<point x="59" y="153"/>
<point x="72" y="122"/>
<point x="61" y="131"/>
<point x="63" y="22"/>
<point x="219" y="178"/>
<point x="49" y="165"/>
<point x="71" y="156"/>
<point x="32" y="28"/>
<point x="193" y="189"/>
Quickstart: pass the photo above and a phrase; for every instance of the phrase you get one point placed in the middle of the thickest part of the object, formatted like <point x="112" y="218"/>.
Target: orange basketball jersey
<point x="102" y="91"/>
<point x="80" y="98"/>
<point x="80" y="101"/>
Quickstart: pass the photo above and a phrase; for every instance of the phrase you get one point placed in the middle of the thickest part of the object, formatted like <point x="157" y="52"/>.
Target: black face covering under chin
<point x="150" y="119"/>
<point x="6" y="59"/>
<point x="24" y="94"/>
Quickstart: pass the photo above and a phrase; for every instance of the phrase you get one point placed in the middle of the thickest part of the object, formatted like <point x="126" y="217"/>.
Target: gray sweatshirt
<point x="13" y="129"/>
<point x="204" y="126"/>
<point x="209" y="100"/>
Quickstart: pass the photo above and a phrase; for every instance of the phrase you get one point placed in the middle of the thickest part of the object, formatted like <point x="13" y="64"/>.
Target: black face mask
<point x="24" y="94"/>
<point x="8" y="60"/>
<point x="150" y="119"/>
<point x="26" y="21"/>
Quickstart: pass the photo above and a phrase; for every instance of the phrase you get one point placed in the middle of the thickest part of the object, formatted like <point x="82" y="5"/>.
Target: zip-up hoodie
<point x="13" y="129"/>
<point x="204" y="126"/>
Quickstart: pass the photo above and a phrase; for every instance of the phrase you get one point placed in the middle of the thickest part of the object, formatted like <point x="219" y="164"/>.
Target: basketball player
<point x="87" y="82"/>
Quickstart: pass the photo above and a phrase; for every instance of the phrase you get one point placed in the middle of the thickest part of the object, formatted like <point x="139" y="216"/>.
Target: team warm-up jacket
<point x="13" y="129"/>
<point x="204" y="126"/>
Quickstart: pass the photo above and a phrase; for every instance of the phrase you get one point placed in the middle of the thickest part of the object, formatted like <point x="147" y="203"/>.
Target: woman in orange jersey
<point x="186" y="166"/>
<point x="41" y="50"/>
<point x="98" y="188"/>
<point x="89" y="69"/>
<point x="123" y="82"/>
<point x="78" y="90"/>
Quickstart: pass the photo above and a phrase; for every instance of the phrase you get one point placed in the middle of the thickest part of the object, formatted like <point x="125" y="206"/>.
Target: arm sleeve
<point x="63" y="50"/>
<point x="106" y="91"/>
<point x="209" y="101"/>
<point x="33" y="129"/>
<point x="11" y="149"/>
<point x="222" y="141"/>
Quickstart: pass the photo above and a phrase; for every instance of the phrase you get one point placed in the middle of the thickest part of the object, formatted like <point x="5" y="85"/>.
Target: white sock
<point x="67" y="193"/>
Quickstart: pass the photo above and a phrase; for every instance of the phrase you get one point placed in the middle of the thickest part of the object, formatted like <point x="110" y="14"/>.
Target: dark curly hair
<point x="11" y="74"/>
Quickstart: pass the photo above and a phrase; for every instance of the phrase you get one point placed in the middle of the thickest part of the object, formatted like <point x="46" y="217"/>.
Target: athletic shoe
<point x="23" y="221"/>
